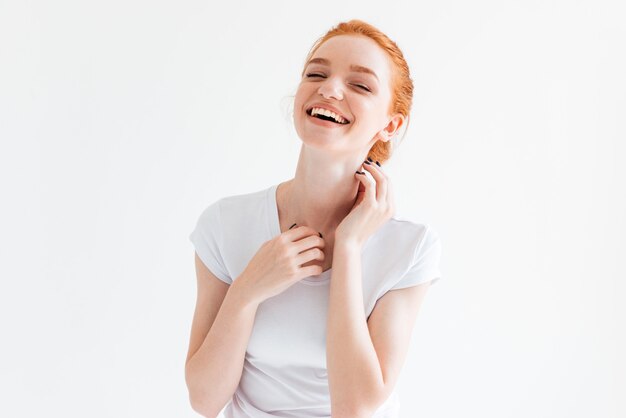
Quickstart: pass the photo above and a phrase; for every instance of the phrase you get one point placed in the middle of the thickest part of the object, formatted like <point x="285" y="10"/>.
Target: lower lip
<point x="325" y="123"/>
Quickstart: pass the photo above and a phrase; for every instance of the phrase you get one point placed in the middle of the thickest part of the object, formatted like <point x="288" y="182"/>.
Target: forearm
<point x="354" y="374"/>
<point x="214" y="371"/>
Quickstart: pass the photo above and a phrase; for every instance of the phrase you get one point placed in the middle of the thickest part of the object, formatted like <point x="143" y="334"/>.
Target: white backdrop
<point x="120" y="121"/>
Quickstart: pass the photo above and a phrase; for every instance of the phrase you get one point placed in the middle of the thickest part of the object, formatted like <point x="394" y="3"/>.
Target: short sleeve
<point x="425" y="264"/>
<point x="207" y="240"/>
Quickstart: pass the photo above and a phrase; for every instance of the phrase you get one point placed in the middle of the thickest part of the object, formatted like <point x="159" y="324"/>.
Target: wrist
<point x="347" y="245"/>
<point x="240" y="291"/>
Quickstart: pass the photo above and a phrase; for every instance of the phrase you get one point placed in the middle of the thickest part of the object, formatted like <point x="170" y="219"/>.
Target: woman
<point x="308" y="290"/>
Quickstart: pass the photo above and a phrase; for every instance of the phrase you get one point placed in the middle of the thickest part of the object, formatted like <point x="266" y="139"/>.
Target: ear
<point x="392" y="127"/>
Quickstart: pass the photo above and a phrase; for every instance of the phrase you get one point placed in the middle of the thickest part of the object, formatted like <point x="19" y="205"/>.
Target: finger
<point x="309" y="255"/>
<point x="381" y="180"/>
<point x="306" y="243"/>
<point x="312" y="270"/>
<point x="369" y="185"/>
<point x="391" y="199"/>
<point x="296" y="232"/>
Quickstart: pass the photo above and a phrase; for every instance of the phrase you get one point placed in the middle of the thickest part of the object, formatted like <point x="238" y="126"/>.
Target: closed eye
<point x="310" y="75"/>
<point x="363" y="87"/>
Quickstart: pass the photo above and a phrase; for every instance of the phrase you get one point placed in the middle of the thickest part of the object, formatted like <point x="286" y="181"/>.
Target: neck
<point x="322" y="192"/>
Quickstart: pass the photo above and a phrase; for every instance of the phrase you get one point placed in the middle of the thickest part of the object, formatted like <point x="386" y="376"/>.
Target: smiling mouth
<point x="324" y="117"/>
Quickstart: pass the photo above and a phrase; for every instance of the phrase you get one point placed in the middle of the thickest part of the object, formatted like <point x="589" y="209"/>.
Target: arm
<point x="362" y="358"/>
<point x="213" y="372"/>
<point x="355" y="387"/>
<point x="354" y="374"/>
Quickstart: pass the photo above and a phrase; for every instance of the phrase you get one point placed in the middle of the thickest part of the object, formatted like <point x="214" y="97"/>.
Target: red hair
<point x="401" y="83"/>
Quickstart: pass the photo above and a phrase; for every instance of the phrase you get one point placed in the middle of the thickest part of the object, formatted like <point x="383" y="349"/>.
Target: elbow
<point x="202" y="408"/>
<point x="356" y="412"/>
<point x="199" y="400"/>
<point x="206" y="401"/>
<point x="365" y="406"/>
<point x="361" y="409"/>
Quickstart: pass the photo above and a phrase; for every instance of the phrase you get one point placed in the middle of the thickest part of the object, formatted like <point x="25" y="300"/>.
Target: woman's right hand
<point x="278" y="263"/>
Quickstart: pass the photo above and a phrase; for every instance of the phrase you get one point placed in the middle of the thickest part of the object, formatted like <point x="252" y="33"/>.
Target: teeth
<point x="319" y="110"/>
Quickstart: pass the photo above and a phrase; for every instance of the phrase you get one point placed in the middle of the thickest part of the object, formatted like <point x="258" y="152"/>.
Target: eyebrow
<point x="357" y="68"/>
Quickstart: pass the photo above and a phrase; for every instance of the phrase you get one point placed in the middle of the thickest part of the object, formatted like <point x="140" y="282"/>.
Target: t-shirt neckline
<point x="274" y="227"/>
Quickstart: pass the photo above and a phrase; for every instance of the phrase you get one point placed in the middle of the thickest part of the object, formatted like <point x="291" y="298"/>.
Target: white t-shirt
<point x="284" y="372"/>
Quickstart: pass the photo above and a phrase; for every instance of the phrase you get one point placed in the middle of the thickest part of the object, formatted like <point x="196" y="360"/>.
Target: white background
<point x="120" y="121"/>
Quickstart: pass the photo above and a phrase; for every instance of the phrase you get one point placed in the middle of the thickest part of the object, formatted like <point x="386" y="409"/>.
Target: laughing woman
<point x="308" y="290"/>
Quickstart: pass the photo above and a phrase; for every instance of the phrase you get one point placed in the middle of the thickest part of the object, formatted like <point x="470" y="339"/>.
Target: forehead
<point x="345" y="50"/>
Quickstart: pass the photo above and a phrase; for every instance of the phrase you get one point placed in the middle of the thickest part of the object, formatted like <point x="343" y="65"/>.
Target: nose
<point x="329" y="88"/>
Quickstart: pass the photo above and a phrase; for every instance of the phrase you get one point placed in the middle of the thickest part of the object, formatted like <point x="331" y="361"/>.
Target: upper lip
<point x="328" y="107"/>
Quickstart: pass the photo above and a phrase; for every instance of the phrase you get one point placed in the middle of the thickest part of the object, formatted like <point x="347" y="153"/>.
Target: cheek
<point x="298" y="100"/>
<point x="368" y="114"/>
<point x="378" y="112"/>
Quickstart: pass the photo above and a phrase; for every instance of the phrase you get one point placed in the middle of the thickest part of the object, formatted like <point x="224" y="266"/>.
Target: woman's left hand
<point x="373" y="207"/>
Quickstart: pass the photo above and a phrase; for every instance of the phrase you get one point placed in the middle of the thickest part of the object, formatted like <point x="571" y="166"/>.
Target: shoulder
<point x="401" y="230"/>
<point x="234" y="204"/>
<point x="405" y="241"/>
<point x="247" y="202"/>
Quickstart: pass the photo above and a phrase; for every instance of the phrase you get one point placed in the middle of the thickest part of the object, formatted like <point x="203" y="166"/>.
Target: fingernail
<point x="292" y="226"/>
<point x="358" y="172"/>
<point x="370" y="160"/>
<point x="367" y="162"/>
<point x="321" y="235"/>
<point x="378" y="163"/>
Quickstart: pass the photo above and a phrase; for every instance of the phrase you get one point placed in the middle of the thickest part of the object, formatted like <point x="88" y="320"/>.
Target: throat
<point x="287" y="216"/>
